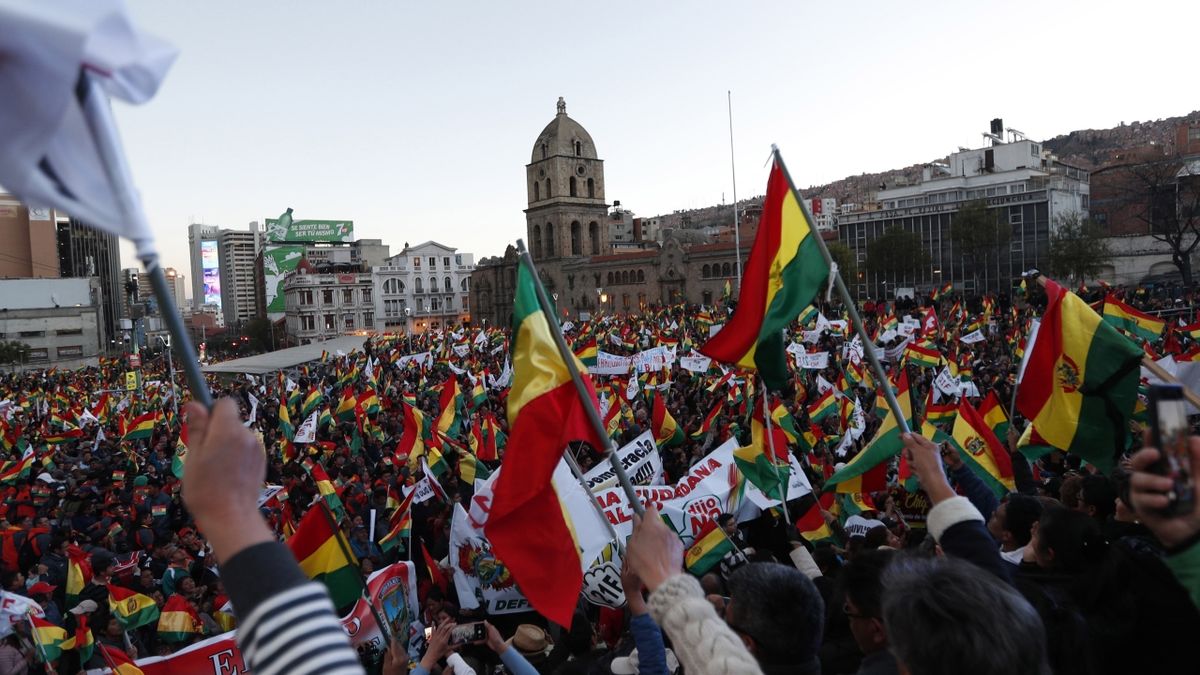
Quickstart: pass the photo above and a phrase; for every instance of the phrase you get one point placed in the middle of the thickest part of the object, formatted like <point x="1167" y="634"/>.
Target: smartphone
<point x="428" y="633"/>
<point x="468" y="632"/>
<point x="1169" y="433"/>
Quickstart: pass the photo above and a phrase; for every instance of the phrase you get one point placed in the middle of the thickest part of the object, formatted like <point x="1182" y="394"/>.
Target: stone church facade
<point x="567" y="232"/>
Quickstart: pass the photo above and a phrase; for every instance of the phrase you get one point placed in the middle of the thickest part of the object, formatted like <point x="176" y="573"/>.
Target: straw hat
<point x="532" y="641"/>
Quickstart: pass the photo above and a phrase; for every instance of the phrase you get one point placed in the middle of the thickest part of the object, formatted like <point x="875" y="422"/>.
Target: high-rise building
<point x="238" y="250"/>
<point x="176" y="282"/>
<point x="87" y="252"/>
<point x="30" y="241"/>
<point x="206" y="266"/>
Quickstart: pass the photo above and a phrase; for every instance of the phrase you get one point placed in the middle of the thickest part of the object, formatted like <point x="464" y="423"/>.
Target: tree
<point x="844" y="257"/>
<point x="978" y="234"/>
<point x="896" y="256"/>
<point x="1165" y="195"/>
<point x="1077" y="248"/>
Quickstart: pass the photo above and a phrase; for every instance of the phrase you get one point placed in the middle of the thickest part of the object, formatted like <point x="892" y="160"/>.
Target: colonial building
<point x="424" y="287"/>
<point x="590" y="258"/>
<point x="324" y="306"/>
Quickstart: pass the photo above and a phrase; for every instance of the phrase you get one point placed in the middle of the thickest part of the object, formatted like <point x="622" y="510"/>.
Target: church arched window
<point x="543" y="151"/>
<point x="549" y="191"/>
<point x="576" y="234"/>
<point x="610" y="279"/>
<point x="446" y="284"/>
<point x="550" y="251"/>
<point x="578" y="149"/>
<point x="537" y="241"/>
<point x="726" y="271"/>
<point x="537" y="191"/>
<point x="704" y="272"/>
<point x="641" y="276"/>
<point x="571" y="183"/>
<point x="594" y="235"/>
<point x="591" y="189"/>
<point x="625" y="277"/>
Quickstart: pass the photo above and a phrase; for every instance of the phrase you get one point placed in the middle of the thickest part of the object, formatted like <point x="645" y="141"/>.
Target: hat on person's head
<point x="42" y="588"/>
<point x="45" y="477"/>
<point x="140" y="481"/>
<point x="85" y="607"/>
<point x="628" y="665"/>
<point x="532" y="641"/>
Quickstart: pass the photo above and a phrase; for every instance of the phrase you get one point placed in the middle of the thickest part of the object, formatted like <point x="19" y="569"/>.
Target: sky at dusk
<point x="415" y="120"/>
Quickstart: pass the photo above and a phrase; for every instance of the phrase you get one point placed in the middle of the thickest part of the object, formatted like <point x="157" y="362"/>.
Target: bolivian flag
<point x="179" y="621"/>
<point x="885" y="445"/>
<point x="783" y="419"/>
<point x="132" y="610"/>
<point x="412" y="439"/>
<point x="79" y="573"/>
<point x="823" y="407"/>
<point x="527" y="525"/>
<point x="587" y="352"/>
<point x="1191" y="330"/>
<point x="1133" y="321"/>
<point x="140" y="427"/>
<point x="939" y="413"/>
<point x="811" y="524"/>
<point x="942" y="290"/>
<point x="1080" y="384"/>
<point x="49" y="639"/>
<point x="667" y="432"/>
<point x="16" y="469"/>
<point x="449" y="400"/>
<point x="471" y="469"/>
<point x="923" y="355"/>
<point x="311" y="402"/>
<point x="401" y="524"/>
<point x="982" y="451"/>
<point x="994" y="416"/>
<point x="345" y="407"/>
<point x="710" y="546"/>
<point x="709" y="420"/>
<point x="82" y="641"/>
<point x="786" y="269"/>
<point x="325" y="557"/>
<point x="765" y="461"/>
<point x="325" y="488"/>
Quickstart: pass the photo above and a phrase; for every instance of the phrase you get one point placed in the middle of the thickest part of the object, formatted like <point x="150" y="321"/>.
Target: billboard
<point x="278" y="262"/>
<point x="210" y="272"/>
<point x="281" y="230"/>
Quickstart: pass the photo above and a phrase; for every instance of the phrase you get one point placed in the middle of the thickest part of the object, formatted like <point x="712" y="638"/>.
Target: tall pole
<point x="844" y="294"/>
<point x="737" y="225"/>
<point x="783" y="480"/>
<point x="581" y="389"/>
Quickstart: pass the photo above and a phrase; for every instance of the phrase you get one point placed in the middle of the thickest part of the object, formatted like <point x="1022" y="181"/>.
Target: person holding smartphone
<point x="440" y="644"/>
<point x="1178" y="530"/>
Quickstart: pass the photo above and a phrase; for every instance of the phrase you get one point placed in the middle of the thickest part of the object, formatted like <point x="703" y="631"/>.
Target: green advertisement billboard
<point x="278" y="262"/>
<point x="288" y="230"/>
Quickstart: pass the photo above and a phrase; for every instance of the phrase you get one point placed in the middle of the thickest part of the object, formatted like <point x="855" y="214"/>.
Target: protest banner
<point x="695" y="364"/>
<point x="610" y="364"/>
<point x="218" y="655"/>
<point x="13" y="610"/>
<point x="814" y="361"/>
<point x="640" y="459"/>
<point x="393" y="592"/>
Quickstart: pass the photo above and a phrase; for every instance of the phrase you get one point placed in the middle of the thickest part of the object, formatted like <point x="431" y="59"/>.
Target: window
<point x="69" y="331"/>
<point x="366" y="296"/>
<point x="368" y="319"/>
<point x="641" y="276"/>
<point x="69" y="352"/>
<point x="432" y="262"/>
<point x="550" y="252"/>
<point x="450" y="302"/>
<point x="348" y="321"/>
<point x="571" y="184"/>
<point x="457" y="259"/>
<point x="1014" y="217"/>
<point x="417" y="261"/>
<point x="594" y="235"/>
<point x="447" y="285"/>
<point x="329" y="322"/>
<point x="591" y="189"/>
<point x="327" y="296"/>
<point x="543" y="151"/>
<point x="725" y="270"/>
<point x="420" y="304"/>
<point x="347" y="296"/>
<point x="537" y="241"/>
<point x="705" y="272"/>
<point x="610" y="278"/>
<point x="549" y="192"/>
<point x="576" y="234"/>
<point x="306" y="298"/>
<point x="433" y="285"/>
<point x="537" y="191"/>
<point x="434" y="304"/>
<point x="33" y="333"/>
<point x="578" y="149"/>
<point x="39" y="354"/>
<point x="418" y="286"/>
<point x="446" y="262"/>
<point x="463" y="285"/>
<point x="308" y="322"/>
<point x="466" y="303"/>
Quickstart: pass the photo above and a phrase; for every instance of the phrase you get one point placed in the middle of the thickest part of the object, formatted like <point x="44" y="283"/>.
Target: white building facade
<point x="325" y="306"/>
<point x="424" y="287"/>
<point x="61" y="320"/>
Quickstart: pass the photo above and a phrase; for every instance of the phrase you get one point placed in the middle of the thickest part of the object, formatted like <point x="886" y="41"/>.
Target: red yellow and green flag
<point x="710" y="546"/>
<point x="667" y="432"/>
<point x="49" y="639"/>
<point x="1131" y="320"/>
<point x="324" y="556"/>
<point x="982" y="451"/>
<point x="132" y="610"/>
<point x="886" y="444"/>
<point x="178" y="621"/>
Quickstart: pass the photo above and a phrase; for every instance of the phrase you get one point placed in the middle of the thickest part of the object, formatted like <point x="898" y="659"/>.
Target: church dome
<point x="563" y="136"/>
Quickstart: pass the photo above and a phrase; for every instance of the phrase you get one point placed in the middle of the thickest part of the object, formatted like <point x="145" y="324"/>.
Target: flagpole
<point x="737" y="226"/>
<point x="366" y="594"/>
<point x="844" y="294"/>
<point x="103" y="127"/>
<point x="783" y="483"/>
<point x="568" y="358"/>
<point x="42" y="649"/>
<point x="612" y="532"/>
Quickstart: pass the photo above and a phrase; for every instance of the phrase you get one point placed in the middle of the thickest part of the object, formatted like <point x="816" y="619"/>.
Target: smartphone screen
<point x="1170" y="435"/>
<point x="467" y="632"/>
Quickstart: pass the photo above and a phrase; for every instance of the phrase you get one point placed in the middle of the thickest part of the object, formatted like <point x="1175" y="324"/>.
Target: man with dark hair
<point x="1098" y="498"/>
<point x="950" y="599"/>
<point x="1012" y="525"/>
<point x="779" y="615"/>
<point x="862" y="586"/>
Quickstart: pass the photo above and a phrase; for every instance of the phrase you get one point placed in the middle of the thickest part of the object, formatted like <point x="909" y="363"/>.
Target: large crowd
<point x="1071" y="570"/>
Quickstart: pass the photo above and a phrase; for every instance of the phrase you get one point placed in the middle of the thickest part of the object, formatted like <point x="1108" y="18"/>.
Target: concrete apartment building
<point x="61" y="320"/>
<point x="321" y="306"/>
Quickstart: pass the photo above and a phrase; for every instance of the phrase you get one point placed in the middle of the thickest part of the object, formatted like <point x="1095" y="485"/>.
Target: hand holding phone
<point x="1169" y="433"/>
<point x="468" y="632"/>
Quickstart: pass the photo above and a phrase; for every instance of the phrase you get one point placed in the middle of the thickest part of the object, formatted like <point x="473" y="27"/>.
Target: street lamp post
<point x="408" y="327"/>
<point x="166" y="343"/>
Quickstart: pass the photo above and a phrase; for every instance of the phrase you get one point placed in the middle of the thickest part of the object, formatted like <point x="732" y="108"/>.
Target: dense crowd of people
<point x="1073" y="570"/>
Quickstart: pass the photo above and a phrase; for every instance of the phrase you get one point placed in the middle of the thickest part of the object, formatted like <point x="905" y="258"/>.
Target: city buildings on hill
<point x="1021" y="185"/>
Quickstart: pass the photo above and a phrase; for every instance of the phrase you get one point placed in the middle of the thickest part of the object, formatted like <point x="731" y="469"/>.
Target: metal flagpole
<point x="783" y="482"/>
<point x="568" y="358"/>
<point x="366" y="593"/>
<point x="737" y="226"/>
<point x="844" y="294"/>
<point x="103" y="128"/>
<point x="612" y="532"/>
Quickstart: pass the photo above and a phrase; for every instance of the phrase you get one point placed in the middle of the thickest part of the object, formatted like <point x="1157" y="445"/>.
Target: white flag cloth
<point x="48" y="156"/>
<point x="973" y="337"/>
<point x="307" y="433"/>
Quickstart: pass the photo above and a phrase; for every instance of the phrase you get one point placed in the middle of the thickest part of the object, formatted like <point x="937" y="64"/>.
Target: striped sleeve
<point x="287" y="623"/>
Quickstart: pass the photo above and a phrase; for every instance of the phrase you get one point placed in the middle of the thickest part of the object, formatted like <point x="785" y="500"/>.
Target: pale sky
<point x="416" y="119"/>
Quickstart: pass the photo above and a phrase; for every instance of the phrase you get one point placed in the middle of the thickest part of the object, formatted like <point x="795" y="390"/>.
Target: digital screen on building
<point x="210" y="272"/>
